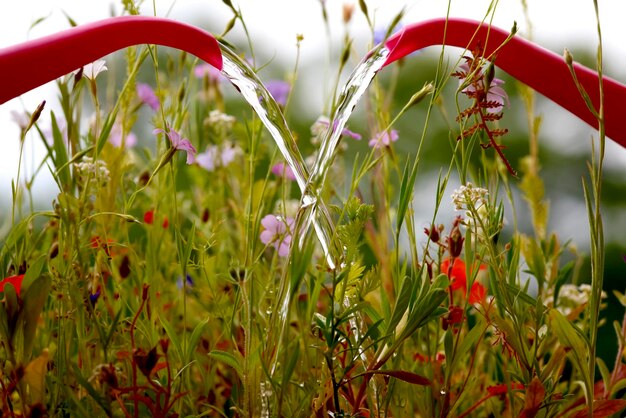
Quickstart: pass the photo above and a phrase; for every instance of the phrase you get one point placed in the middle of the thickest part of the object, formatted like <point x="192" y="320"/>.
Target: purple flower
<point x="93" y="297"/>
<point x="147" y="95"/>
<point x="495" y="93"/>
<point x="277" y="233"/>
<point x="179" y="143"/>
<point x="379" y="34"/>
<point x="384" y="138"/>
<point x="283" y="170"/>
<point x="188" y="280"/>
<point x="279" y="90"/>
<point x="212" y="157"/>
<point x="322" y="121"/>
<point x="207" y="70"/>
<point x="22" y="119"/>
<point x="115" y="138"/>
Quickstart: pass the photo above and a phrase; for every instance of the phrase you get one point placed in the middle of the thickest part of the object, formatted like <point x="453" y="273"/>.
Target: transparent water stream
<point x="313" y="210"/>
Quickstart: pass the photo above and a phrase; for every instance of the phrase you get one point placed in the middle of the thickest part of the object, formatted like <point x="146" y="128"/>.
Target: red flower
<point x="456" y="274"/>
<point x="16" y="281"/>
<point x="477" y="293"/>
<point x="148" y="217"/>
<point x="458" y="279"/>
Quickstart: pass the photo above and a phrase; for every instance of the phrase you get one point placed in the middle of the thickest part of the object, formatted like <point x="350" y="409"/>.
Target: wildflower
<point x="220" y="121"/>
<point x="117" y="140"/>
<point x="146" y="95"/>
<point x="96" y="242"/>
<point x="458" y="280"/>
<point x="348" y="10"/>
<point x="15" y="281"/>
<point x="277" y="233"/>
<point x="384" y="138"/>
<point x="283" y="170"/>
<point x="213" y="157"/>
<point x="322" y="123"/>
<point x="206" y="70"/>
<point x="93" y="297"/>
<point x="380" y="33"/>
<point x="92" y="70"/>
<point x="22" y="119"/>
<point x="571" y="299"/>
<point x="179" y="143"/>
<point x="188" y="281"/>
<point x="279" y="90"/>
<point x="148" y="217"/>
<point x="495" y="93"/>
<point x="469" y="196"/>
<point x="455" y="238"/>
<point x="94" y="172"/>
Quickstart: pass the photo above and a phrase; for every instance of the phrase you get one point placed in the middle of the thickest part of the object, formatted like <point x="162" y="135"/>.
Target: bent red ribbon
<point x="31" y="64"/>
<point x="542" y="70"/>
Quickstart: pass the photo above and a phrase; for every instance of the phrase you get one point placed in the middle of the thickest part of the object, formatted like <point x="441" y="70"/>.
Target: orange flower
<point x="458" y="279"/>
<point x="16" y="281"/>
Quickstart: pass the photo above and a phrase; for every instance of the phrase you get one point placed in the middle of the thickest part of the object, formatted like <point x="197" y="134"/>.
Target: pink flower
<point x="323" y="121"/>
<point x="283" y="170"/>
<point x="495" y="93"/>
<point x="206" y="70"/>
<point x="384" y="138"/>
<point x="146" y="94"/>
<point x="179" y="143"/>
<point x="277" y="233"/>
<point x="115" y="138"/>
<point x="212" y="157"/>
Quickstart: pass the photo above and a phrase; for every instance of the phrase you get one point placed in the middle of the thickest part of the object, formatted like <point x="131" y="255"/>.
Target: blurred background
<point x="274" y="26"/>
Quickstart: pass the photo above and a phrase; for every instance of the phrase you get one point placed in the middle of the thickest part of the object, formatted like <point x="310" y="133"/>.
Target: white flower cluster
<point x="220" y="121"/>
<point x="469" y="196"/>
<point x="93" y="171"/>
<point x="571" y="297"/>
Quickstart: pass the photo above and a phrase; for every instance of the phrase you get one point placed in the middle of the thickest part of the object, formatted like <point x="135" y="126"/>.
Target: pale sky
<point x="556" y="24"/>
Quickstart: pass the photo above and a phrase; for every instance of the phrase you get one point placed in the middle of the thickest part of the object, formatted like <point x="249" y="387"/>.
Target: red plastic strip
<point x="31" y="64"/>
<point x="540" y="69"/>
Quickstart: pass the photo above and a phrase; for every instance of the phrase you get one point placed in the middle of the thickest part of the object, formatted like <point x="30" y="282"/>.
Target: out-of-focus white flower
<point x="92" y="70"/>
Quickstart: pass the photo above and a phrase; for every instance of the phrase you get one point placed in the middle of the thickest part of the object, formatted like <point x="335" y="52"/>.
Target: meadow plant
<point x="174" y="273"/>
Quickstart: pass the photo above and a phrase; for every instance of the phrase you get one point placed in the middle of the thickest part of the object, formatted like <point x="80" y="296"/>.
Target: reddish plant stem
<point x="539" y="68"/>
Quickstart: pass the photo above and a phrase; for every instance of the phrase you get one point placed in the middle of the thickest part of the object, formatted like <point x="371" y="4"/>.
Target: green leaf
<point x="195" y="338"/>
<point x="519" y="294"/>
<point x="572" y="339"/>
<point x="563" y="276"/>
<point x="91" y="390"/>
<point x="169" y="330"/>
<point x="4" y="327"/>
<point x="34" y="299"/>
<point x="228" y="359"/>
<point x="33" y="272"/>
<point x="60" y="154"/>
<point x="402" y="303"/>
<point x="106" y="130"/>
<point x="406" y="192"/>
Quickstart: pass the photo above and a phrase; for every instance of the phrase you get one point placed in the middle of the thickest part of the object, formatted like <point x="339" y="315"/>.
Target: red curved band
<point x="543" y="70"/>
<point x="31" y="64"/>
